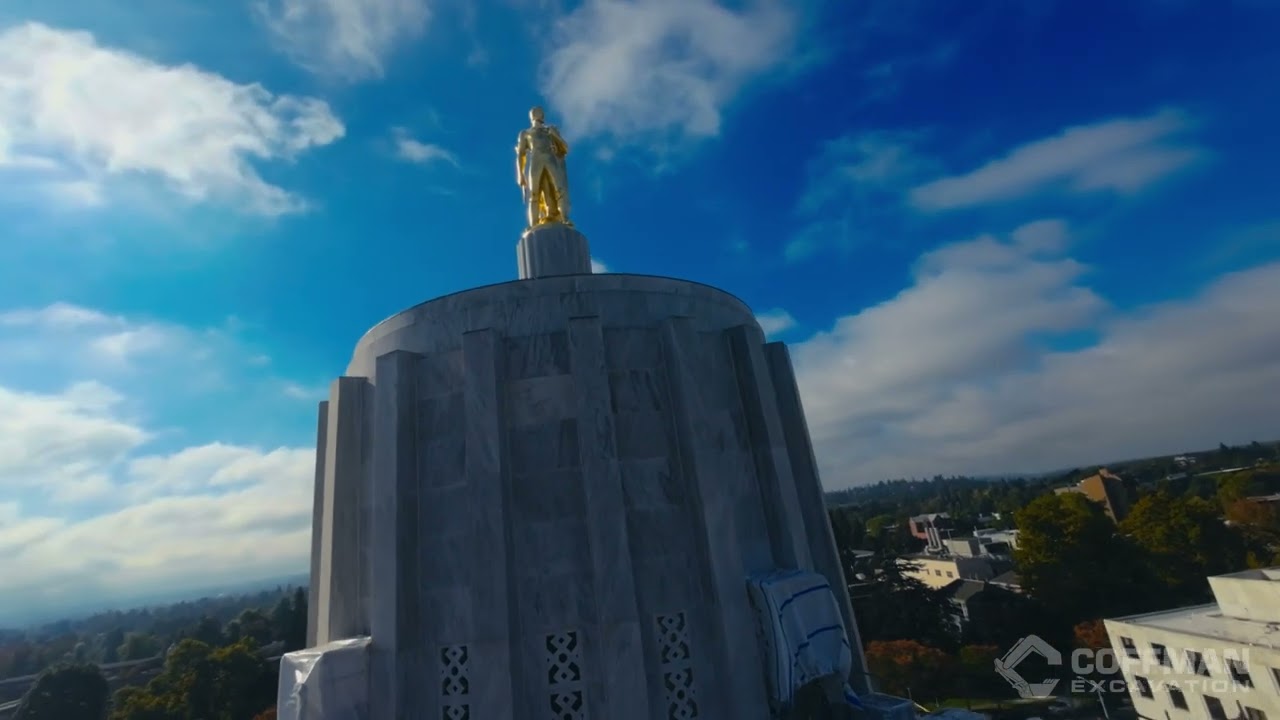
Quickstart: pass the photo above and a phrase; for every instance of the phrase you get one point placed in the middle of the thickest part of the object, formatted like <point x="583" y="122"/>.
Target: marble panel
<point x="658" y="532"/>
<point x="553" y="547"/>
<point x="440" y="373"/>
<point x="317" y="522"/>
<point x="344" y="582"/>
<point x="632" y="348"/>
<point x="438" y="511"/>
<point x="449" y="613"/>
<point x="442" y="460"/>
<point x="449" y="559"/>
<point x="549" y="496"/>
<point x="494" y="612"/>
<point x="773" y="467"/>
<point x="544" y="448"/>
<point x="537" y="355"/>
<point x="822" y="545"/>
<point x="440" y="414"/>
<point x="638" y="390"/>
<point x="554" y="599"/>
<point x="540" y="400"/>
<point x="642" y="434"/>
<point x="652" y="483"/>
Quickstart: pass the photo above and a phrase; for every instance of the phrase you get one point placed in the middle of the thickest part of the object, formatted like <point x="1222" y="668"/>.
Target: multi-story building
<point x="930" y="527"/>
<point x="1219" y="661"/>
<point x="1104" y="488"/>
<point x="938" y="571"/>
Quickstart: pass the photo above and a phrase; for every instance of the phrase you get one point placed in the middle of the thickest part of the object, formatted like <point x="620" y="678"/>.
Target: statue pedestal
<point x="553" y="249"/>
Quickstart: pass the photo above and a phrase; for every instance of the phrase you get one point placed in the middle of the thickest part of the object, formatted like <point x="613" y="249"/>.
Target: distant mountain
<point x="40" y="616"/>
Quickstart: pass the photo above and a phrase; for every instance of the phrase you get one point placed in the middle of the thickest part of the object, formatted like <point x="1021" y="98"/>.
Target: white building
<point x="1215" y="661"/>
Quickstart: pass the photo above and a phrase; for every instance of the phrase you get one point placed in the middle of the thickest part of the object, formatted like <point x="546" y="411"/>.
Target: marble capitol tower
<point x="570" y="495"/>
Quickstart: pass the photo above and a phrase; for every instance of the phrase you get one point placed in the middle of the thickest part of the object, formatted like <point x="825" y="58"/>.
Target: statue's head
<point x="536" y="115"/>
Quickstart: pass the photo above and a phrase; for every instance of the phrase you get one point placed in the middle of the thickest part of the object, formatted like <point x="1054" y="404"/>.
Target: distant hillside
<point x="1141" y="471"/>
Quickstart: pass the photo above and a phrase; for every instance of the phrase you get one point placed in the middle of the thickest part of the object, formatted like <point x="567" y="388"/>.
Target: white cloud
<point x="1120" y="156"/>
<point x="635" y="71"/>
<point x="346" y="39"/>
<point x="598" y="266"/>
<point x="103" y="499"/>
<point x="776" y="321"/>
<point x="853" y="182"/>
<point x="958" y="372"/>
<point x="76" y="115"/>
<point x="413" y="150"/>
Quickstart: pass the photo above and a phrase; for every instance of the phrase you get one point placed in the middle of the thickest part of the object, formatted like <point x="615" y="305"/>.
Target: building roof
<point x="1007" y="578"/>
<point x="964" y="590"/>
<point x="1207" y="621"/>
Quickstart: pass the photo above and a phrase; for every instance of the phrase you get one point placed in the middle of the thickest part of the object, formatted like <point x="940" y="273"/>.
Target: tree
<point x="251" y="624"/>
<point x="111" y="643"/>
<point x="899" y="607"/>
<point x="209" y="631"/>
<point x="976" y="664"/>
<point x="268" y="714"/>
<point x="908" y="668"/>
<point x="1072" y="560"/>
<point x="139" y="646"/>
<point x="198" y="681"/>
<point x="1091" y="635"/>
<point x="66" y="692"/>
<point x="1185" y="541"/>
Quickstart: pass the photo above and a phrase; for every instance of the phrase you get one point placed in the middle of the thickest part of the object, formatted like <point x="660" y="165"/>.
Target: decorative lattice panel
<point x="675" y="655"/>
<point x="455" y="682"/>
<point x="564" y="676"/>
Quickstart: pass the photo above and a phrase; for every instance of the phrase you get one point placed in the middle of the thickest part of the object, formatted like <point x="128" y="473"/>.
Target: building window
<point x="1130" y="649"/>
<point x="950" y="574"/>
<point x="1195" y="662"/>
<point x="1144" y="687"/>
<point x="938" y="573"/>
<point x="1239" y="672"/>
<point x="1214" y="706"/>
<point x="1254" y="714"/>
<point x="1177" y="698"/>
<point x="1161" y="654"/>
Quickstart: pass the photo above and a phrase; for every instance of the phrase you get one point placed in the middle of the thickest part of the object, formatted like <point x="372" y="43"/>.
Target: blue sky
<point x="999" y="236"/>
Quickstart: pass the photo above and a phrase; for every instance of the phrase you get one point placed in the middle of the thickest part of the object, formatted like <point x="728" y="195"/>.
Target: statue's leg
<point x="561" y="181"/>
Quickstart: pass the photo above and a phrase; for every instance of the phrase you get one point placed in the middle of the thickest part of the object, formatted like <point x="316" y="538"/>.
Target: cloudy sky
<point x="1001" y="236"/>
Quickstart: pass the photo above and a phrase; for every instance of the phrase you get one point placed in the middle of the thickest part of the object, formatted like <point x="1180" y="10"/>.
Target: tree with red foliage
<point x="901" y="667"/>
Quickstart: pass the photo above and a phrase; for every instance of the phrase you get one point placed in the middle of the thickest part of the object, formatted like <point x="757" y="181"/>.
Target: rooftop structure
<point x="1219" y="660"/>
<point x="550" y="498"/>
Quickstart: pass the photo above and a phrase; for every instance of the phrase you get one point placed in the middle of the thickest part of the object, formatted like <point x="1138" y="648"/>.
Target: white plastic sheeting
<point x="803" y="634"/>
<point x="329" y="682"/>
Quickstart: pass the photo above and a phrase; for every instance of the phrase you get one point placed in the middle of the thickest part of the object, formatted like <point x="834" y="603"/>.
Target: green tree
<point x="1185" y="541"/>
<point x="1073" y="561"/>
<point x="896" y="606"/>
<point x="200" y="682"/>
<point x="252" y="624"/>
<point x="66" y="692"/>
<point x="111" y="642"/>
<point x="139" y="646"/>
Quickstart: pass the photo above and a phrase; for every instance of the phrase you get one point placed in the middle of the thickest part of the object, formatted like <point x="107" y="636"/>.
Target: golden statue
<point x="540" y="171"/>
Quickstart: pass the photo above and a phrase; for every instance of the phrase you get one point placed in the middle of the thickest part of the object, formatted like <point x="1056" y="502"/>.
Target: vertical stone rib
<point x="393" y="534"/>
<point x="497" y="637"/>
<point x="769" y="449"/>
<point x="317" y="526"/>
<point x="343" y="572"/>
<point x="618" y="641"/>
<point x="817" y="524"/>
<point x="735" y="645"/>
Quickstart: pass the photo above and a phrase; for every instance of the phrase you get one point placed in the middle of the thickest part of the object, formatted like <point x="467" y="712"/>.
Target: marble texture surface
<point x="545" y="497"/>
<point x="550" y="250"/>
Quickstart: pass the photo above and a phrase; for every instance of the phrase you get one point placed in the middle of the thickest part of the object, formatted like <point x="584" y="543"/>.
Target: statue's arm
<point x="520" y="156"/>
<point x="562" y="147"/>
